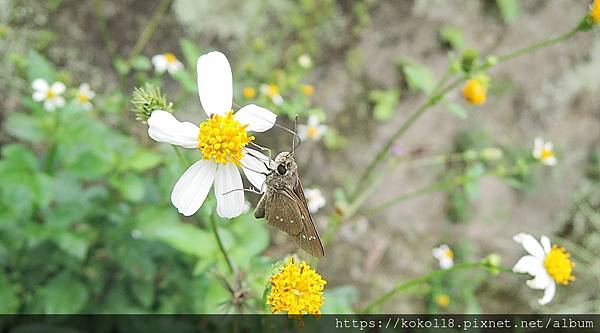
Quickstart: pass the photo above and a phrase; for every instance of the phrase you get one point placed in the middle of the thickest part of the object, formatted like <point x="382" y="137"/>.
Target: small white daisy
<point x="272" y="91"/>
<point x="166" y="62"/>
<point x="305" y="61"/>
<point x="444" y="255"/>
<point x="85" y="95"/>
<point x="544" y="151"/>
<point x="222" y="139"/>
<point x="548" y="264"/>
<point x="314" y="199"/>
<point x="51" y="95"/>
<point x="312" y="130"/>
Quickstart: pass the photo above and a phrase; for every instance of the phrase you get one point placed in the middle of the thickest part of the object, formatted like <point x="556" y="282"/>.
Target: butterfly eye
<point x="281" y="169"/>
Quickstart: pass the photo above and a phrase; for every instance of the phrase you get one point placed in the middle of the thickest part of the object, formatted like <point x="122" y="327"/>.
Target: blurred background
<point x="86" y="223"/>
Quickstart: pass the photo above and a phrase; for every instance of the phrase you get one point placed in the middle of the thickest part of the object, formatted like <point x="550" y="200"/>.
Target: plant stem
<point x="150" y="28"/>
<point x="400" y="287"/>
<point x="438" y="96"/>
<point x="181" y="156"/>
<point x="220" y="243"/>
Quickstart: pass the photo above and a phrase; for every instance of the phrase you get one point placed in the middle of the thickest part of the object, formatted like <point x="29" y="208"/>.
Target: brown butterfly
<point x="284" y="206"/>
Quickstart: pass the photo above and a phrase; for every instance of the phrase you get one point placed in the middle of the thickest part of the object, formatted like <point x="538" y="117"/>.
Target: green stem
<point x="438" y="96"/>
<point x="181" y="156"/>
<point x="220" y="243"/>
<point x="150" y="28"/>
<point x="400" y="287"/>
<point x="51" y="157"/>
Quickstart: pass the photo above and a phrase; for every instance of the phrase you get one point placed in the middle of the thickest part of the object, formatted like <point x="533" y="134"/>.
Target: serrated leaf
<point x="25" y="127"/>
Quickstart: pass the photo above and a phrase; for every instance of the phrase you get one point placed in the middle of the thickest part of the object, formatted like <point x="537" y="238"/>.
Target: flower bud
<point x="147" y="100"/>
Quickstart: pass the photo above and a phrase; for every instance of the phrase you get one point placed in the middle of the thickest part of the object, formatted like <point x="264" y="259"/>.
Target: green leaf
<point x="9" y="299"/>
<point x="250" y="238"/>
<point x="164" y="225"/>
<point x="143" y="160"/>
<point x="130" y="186"/>
<point x="509" y="9"/>
<point x="141" y="63"/>
<point x="25" y="127"/>
<point x="418" y="77"/>
<point x="121" y="66"/>
<point x="452" y="36"/>
<point x="187" y="81"/>
<point x="64" y="294"/>
<point x="38" y="67"/>
<point x="72" y="243"/>
<point x="385" y="103"/>
<point x="457" y="110"/>
<point x="191" y="52"/>
<point x="143" y="292"/>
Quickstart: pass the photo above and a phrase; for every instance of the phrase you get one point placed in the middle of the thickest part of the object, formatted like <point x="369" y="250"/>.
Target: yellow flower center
<point x="272" y="90"/>
<point x="559" y="266"/>
<point x="312" y="132"/>
<point x="442" y="300"/>
<point x="595" y="11"/>
<point x="449" y="254"/>
<point x="546" y="153"/>
<point x="223" y="138"/>
<point x="249" y="92"/>
<point x="308" y="90"/>
<point x="83" y="98"/>
<point x="170" y="58"/>
<point x="297" y="290"/>
<point x="50" y="94"/>
<point x="475" y="92"/>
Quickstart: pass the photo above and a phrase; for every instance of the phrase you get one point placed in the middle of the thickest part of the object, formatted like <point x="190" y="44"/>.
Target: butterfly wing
<point x="308" y="239"/>
<point x="284" y="213"/>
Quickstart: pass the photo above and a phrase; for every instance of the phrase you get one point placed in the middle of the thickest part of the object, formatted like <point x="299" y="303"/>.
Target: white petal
<point x="49" y="105"/>
<point x="538" y="143"/>
<point x="58" y="88"/>
<point x="302" y="132"/>
<point x="215" y="83"/>
<point x="257" y="118"/>
<point x="229" y="191"/>
<point x="59" y="101"/>
<point x="548" y="294"/>
<point x="551" y="161"/>
<point x="163" y="127"/>
<point x="313" y="121"/>
<point x="546" y="244"/>
<point x="253" y="161"/>
<point x="549" y="146"/>
<point x="40" y="85"/>
<point x="175" y="67"/>
<point x="39" y="96"/>
<point x="530" y="244"/>
<point x="530" y="265"/>
<point x="192" y="187"/>
<point x="540" y="281"/>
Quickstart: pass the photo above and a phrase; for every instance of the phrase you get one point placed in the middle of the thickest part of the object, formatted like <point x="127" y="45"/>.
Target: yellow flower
<point x="249" y="92"/>
<point x="308" y="90"/>
<point x="442" y="300"/>
<point x="595" y="11"/>
<point x="475" y="91"/>
<point x="296" y="290"/>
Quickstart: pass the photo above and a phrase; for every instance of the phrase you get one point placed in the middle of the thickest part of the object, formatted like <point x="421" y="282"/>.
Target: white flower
<point x="272" y="91"/>
<point x="314" y="199"/>
<point x="85" y="96"/>
<point x="312" y="130"/>
<point x="544" y="151"/>
<point x="547" y="263"/>
<point x="444" y="255"/>
<point x="49" y="94"/>
<point x="221" y="139"/>
<point x="166" y="62"/>
<point x="305" y="61"/>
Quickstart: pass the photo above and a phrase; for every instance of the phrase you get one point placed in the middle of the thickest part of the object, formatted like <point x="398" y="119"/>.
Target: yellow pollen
<point x="312" y="132"/>
<point x="449" y="254"/>
<point x="223" y="138"/>
<point x="546" y="153"/>
<point x="83" y="98"/>
<point x="595" y="11"/>
<point x="50" y="94"/>
<point x="272" y="90"/>
<point x="170" y="58"/>
<point x="442" y="300"/>
<point x="249" y="92"/>
<point x="475" y="91"/>
<point x="559" y="266"/>
<point x="308" y="90"/>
